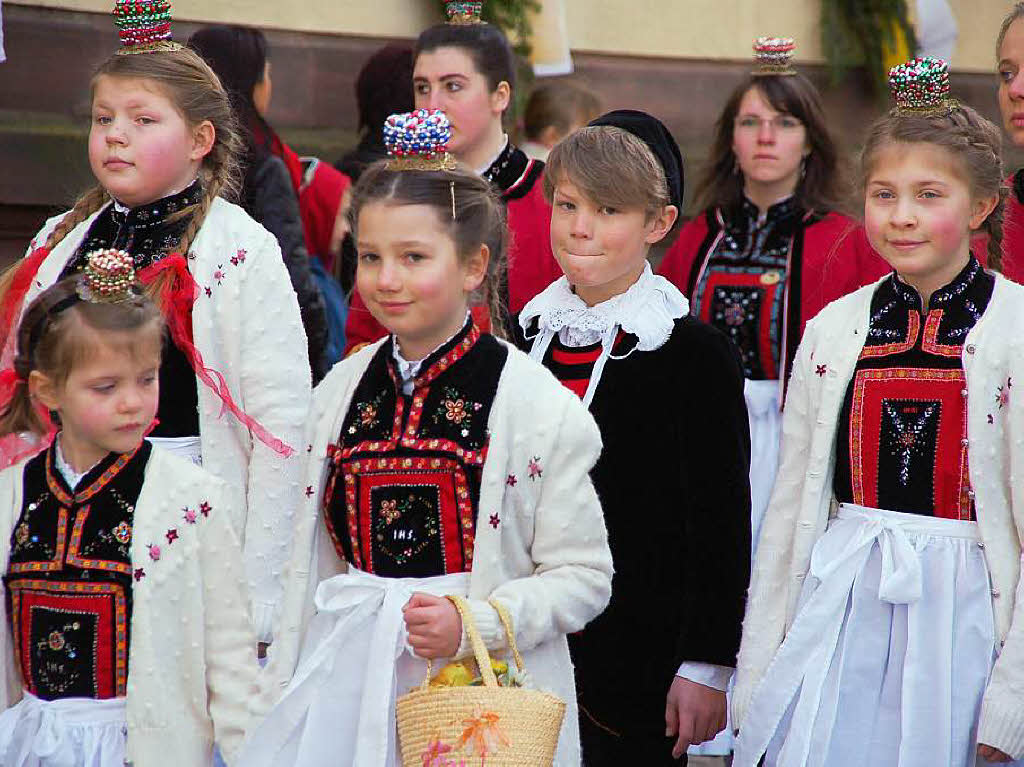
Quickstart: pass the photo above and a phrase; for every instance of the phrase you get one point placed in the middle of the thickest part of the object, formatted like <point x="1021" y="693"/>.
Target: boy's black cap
<point x="652" y="132"/>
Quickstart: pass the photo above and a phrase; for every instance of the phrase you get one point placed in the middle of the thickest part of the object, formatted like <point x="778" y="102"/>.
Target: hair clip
<point x="461" y="12"/>
<point x="108" y="278"/>
<point x="419" y="141"/>
<point x="921" y="87"/>
<point x="144" y="26"/>
<point x="772" y="56"/>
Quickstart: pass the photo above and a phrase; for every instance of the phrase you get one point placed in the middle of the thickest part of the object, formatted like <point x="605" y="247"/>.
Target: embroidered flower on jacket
<point x="190" y="516"/>
<point x="1003" y="395"/>
<point x="122" y="533"/>
<point x="511" y="481"/>
<point x="205" y="509"/>
<point x="154" y="551"/>
<point x="456" y="410"/>
<point x="171" y="535"/>
<point x="209" y="291"/>
<point x="495" y="521"/>
<point x="56" y="641"/>
<point x="21" y="535"/>
<point x="820" y="370"/>
<point x="219" y="274"/>
<point x="389" y="510"/>
<point x="139" y="574"/>
<point x="535" y="469"/>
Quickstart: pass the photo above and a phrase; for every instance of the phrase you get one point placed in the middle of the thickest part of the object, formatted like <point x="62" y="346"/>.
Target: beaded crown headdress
<point x="108" y="277"/>
<point x="921" y="87"/>
<point x="419" y="141"/>
<point x="462" y="12"/>
<point x="144" y="26"/>
<point x="773" y="55"/>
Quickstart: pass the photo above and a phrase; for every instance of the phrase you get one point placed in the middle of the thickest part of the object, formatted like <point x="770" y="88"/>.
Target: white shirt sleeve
<point x="707" y="674"/>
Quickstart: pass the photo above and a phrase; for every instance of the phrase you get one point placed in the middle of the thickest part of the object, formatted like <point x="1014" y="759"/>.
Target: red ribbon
<point x="179" y="295"/>
<point x="10" y="308"/>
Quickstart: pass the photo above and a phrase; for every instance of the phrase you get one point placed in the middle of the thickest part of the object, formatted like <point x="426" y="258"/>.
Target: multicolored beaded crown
<point x="419" y="141"/>
<point x="108" y="277"/>
<point x="144" y="26"/>
<point x="461" y="12"/>
<point x="921" y="87"/>
<point x="773" y="55"/>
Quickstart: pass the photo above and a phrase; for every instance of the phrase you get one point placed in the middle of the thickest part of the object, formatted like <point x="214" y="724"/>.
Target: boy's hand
<point x="992" y="754"/>
<point x="693" y="712"/>
<point x="434" y="626"/>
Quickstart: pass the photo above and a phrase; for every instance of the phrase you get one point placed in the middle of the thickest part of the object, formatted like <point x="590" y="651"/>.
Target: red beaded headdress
<point x="921" y="87"/>
<point x="772" y="56"/>
<point x="461" y="12"/>
<point x="144" y="26"/>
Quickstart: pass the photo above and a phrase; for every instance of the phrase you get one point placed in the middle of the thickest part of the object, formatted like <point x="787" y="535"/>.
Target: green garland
<point x="863" y="33"/>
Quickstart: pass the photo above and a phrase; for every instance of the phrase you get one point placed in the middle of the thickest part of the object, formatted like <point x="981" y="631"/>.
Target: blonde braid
<point x="85" y="206"/>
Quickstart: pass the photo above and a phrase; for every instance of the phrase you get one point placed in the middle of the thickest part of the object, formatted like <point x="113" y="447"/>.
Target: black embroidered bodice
<point x="741" y="287"/>
<point x="150" y="232"/>
<point x="404" y="483"/>
<point x="507" y="172"/>
<point x="902" y="440"/>
<point x="69" y="577"/>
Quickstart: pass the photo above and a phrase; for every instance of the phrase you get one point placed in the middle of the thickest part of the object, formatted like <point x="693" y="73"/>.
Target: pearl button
<point x="970" y="348"/>
<point x="964" y="441"/>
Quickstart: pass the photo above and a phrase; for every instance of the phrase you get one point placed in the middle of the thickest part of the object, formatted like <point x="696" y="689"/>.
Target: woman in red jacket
<point x="769" y="251"/>
<point x="1010" y="50"/>
<point x="467" y="68"/>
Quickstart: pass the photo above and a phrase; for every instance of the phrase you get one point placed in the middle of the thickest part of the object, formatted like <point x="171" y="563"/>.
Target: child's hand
<point x="992" y="754"/>
<point x="694" y="712"/>
<point x="434" y="626"/>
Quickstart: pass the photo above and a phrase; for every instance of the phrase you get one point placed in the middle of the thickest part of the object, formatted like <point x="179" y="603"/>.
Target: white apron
<point x="72" y="732"/>
<point x="889" y="653"/>
<point x="339" y="708"/>
<point x="765" y="418"/>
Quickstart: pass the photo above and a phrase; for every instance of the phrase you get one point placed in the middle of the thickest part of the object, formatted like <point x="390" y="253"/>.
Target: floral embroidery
<point x="483" y="735"/>
<point x="389" y="510"/>
<point x="511" y="481"/>
<point x="403" y="545"/>
<point x="205" y="509"/>
<point x="139" y="574"/>
<point x="456" y="409"/>
<point x="1003" y="395"/>
<point x="154" y="551"/>
<point x="238" y="258"/>
<point x="219" y="274"/>
<point x="22" y="534"/>
<point x="209" y="291"/>
<point x="368" y="414"/>
<point x="990" y="418"/>
<point x="309" y="491"/>
<point x="495" y="521"/>
<point x="820" y="370"/>
<point x="122" y="533"/>
<point x="190" y="516"/>
<point x="535" y="469"/>
<point x="171" y="535"/>
<point x="434" y="756"/>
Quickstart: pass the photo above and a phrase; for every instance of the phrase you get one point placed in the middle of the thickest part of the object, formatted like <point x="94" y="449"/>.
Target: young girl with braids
<point x="444" y="462"/>
<point x="126" y="637"/>
<point x="235" y="375"/>
<point x="885" y="618"/>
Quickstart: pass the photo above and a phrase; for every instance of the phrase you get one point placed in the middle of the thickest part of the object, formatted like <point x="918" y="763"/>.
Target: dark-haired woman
<point x="1010" y="54"/>
<point x="468" y="70"/>
<point x="769" y="251"/>
<point x="272" y="171"/>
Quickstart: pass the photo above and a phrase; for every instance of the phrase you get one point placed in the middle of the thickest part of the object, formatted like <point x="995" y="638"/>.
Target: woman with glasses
<point x="769" y="249"/>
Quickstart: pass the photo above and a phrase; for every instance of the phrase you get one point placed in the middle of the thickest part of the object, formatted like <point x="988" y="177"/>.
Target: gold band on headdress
<point x="773" y="55"/>
<point x="419" y="141"/>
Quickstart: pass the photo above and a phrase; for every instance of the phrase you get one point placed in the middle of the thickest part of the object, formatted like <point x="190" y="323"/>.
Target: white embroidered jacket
<point x="799" y="510"/>
<point x="246" y="325"/>
<point x="547" y="561"/>
<point x="192" y="667"/>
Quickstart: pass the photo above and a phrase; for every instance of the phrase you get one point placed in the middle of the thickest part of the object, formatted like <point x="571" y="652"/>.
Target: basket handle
<point x="506" y="622"/>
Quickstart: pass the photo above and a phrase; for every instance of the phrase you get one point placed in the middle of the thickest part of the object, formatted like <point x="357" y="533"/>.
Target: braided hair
<point x="974" y="141"/>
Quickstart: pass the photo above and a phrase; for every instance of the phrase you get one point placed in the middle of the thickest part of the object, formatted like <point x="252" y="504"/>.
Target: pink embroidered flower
<point x="511" y="481"/>
<point x="122" y="533"/>
<point x="190" y="516"/>
<point x="434" y="756"/>
<point x="154" y="551"/>
<point x="456" y="410"/>
<point x="240" y="255"/>
<point x="172" y="535"/>
<point x="219" y="274"/>
<point x="389" y="510"/>
<point x="205" y="509"/>
<point x="1003" y="396"/>
<point x="56" y="641"/>
<point x="535" y="469"/>
<point x="139" y="574"/>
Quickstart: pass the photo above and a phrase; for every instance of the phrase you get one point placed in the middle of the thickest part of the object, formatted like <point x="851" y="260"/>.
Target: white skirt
<point x="765" y="418"/>
<point x="889" y="653"/>
<point x="72" y="732"/>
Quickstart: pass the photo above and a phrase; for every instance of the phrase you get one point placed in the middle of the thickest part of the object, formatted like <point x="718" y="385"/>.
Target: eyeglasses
<point x="779" y="123"/>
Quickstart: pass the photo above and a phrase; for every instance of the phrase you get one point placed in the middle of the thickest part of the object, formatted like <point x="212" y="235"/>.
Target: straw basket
<point x="492" y="725"/>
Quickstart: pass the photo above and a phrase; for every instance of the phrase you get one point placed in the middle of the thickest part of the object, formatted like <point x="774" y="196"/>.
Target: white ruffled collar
<point x="648" y="310"/>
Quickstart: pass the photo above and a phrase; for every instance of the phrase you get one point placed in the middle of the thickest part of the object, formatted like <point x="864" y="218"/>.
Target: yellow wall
<point x="705" y="29"/>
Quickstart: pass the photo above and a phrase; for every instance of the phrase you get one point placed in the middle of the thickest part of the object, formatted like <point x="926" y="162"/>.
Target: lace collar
<point x="648" y="310"/>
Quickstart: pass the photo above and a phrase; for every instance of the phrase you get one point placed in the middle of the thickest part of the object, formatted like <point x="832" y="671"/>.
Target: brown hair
<point x="479" y="217"/>
<point x="54" y="340"/>
<point x="611" y="167"/>
<point x="560" y="105"/>
<point x="196" y="92"/>
<point x="1012" y="16"/>
<point x="820" y="189"/>
<point x="969" y="138"/>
